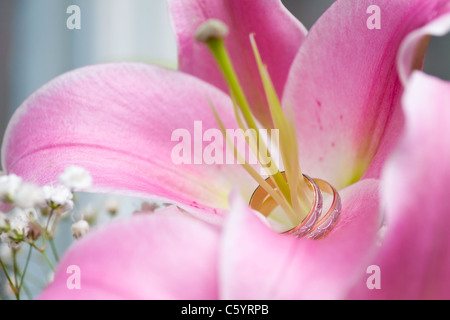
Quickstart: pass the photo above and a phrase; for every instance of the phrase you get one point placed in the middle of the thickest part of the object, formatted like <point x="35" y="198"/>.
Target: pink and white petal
<point x="410" y="56"/>
<point x="148" y="256"/>
<point x="344" y="86"/>
<point x="278" y="34"/>
<point x="117" y="121"/>
<point x="414" y="259"/>
<point x="257" y="263"/>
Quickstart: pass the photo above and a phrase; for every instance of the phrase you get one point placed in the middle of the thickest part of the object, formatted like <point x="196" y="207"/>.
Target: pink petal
<point x="415" y="257"/>
<point x="278" y="33"/>
<point x="345" y="89"/>
<point x="408" y="58"/>
<point x="146" y="256"/>
<point x="117" y="120"/>
<point x="257" y="263"/>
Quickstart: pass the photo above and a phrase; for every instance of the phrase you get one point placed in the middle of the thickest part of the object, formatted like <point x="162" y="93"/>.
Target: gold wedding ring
<point x="315" y="225"/>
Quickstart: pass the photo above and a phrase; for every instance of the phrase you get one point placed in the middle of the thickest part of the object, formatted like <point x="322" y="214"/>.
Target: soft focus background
<point x="36" y="46"/>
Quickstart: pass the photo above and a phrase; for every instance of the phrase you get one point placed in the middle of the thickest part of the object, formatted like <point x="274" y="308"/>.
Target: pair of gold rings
<point x="315" y="225"/>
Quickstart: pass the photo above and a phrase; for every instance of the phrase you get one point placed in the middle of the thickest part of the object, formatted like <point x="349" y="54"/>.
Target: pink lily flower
<point x="356" y="103"/>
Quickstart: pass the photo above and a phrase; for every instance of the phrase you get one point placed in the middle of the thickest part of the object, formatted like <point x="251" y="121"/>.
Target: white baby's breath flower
<point x="8" y="187"/>
<point x="89" y="213"/>
<point x="76" y="177"/>
<point x="29" y="196"/>
<point x="59" y="197"/>
<point x="80" y="228"/>
<point x="112" y="206"/>
<point x="19" y="221"/>
<point x="31" y="214"/>
<point x="11" y="239"/>
<point x="18" y="227"/>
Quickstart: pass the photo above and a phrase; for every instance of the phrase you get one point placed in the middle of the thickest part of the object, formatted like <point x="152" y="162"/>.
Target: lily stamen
<point x="298" y="196"/>
<point x="210" y="32"/>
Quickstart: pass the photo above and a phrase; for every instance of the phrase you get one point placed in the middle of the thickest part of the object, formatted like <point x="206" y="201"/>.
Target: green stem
<point x="24" y="286"/>
<point x="42" y="251"/>
<point x="25" y="268"/>
<point x="50" y="215"/>
<point x="15" y="269"/>
<point x="48" y="260"/>
<point x="53" y="247"/>
<point x="11" y="284"/>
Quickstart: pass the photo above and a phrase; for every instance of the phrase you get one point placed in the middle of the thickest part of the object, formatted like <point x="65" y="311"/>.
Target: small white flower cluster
<point x="17" y="226"/>
<point x="28" y="203"/>
<point x="80" y="228"/>
<point x="76" y="178"/>
<point x="112" y="206"/>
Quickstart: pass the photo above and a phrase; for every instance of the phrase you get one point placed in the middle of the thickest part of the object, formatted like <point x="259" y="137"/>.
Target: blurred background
<point x="36" y="45"/>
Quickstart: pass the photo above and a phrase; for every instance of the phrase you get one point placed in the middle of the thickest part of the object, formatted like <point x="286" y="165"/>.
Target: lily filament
<point x="286" y="197"/>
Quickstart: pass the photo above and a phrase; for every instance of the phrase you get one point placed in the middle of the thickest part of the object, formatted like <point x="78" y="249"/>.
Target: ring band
<point x="261" y="201"/>
<point x="329" y="220"/>
<point x="316" y="210"/>
<point x="315" y="226"/>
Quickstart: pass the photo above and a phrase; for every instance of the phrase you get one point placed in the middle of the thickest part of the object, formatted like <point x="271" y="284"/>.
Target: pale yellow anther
<point x="211" y="29"/>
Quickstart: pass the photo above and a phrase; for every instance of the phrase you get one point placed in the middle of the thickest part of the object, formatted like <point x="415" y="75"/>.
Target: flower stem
<point x="25" y="269"/>
<point x="48" y="260"/>
<point x="53" y="247"/>
<point x="11" y="284"/>
<point x="48" y="220"/>
<point x="42" y="251"/>
<point x="15" y="269"/>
